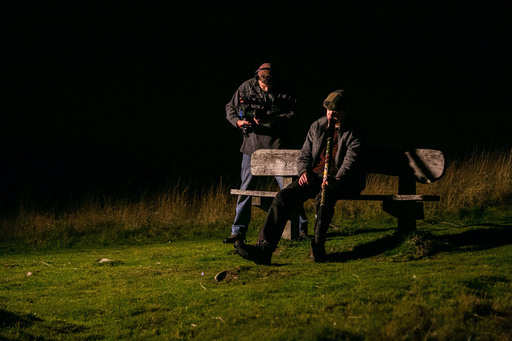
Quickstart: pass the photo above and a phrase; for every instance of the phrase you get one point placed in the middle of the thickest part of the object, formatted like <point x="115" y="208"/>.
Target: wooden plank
<point x="291" y="229"/>
<point x="428" y="165"/>
<point x="274" y="162"/>
<point x="253" y="193"/>
<point x="371" y="197"/>
<point x="393" y="197"/>
<point x="425" y="165"/>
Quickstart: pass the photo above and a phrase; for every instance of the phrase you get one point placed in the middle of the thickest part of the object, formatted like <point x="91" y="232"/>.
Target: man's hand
<point x="304" y="179"/>
<point x="330" y="180"/>
<point x="240" y="123"/>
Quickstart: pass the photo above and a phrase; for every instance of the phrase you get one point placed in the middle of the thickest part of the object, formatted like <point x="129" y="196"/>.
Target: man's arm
<point x="231" y="109"/>
<point x="352" y="162"/>
<point x="305" y="160"/>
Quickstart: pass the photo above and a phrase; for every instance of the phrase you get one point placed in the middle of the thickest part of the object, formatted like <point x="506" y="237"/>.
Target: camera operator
<point x="263" y="110"/>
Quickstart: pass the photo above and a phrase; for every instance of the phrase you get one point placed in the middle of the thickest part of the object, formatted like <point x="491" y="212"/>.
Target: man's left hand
<point x="329" y="181"/>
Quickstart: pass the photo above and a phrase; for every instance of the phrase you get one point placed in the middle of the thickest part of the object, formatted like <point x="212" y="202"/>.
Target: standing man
<point x="263" y="110"/>
<point x="347" y="177"/>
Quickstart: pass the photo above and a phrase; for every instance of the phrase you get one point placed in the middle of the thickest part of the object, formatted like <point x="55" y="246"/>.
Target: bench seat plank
<point x="394" y="197"/>
<point x="376" y="197"/>
<point x="263" y="194"/>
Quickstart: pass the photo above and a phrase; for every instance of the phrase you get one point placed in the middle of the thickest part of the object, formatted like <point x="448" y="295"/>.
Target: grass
<point x="444" y="283"/>
<point x="451" y="280"/>
<point x="472" y="187"/>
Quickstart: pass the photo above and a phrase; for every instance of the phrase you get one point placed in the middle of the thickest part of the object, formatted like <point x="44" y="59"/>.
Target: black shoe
<point x="318" y="254"/>
<point x="260" y="253"/>
<point x="233" y="238"/>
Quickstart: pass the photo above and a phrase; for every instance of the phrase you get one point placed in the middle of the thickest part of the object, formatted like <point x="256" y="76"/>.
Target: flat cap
<point x="335" y="101"/>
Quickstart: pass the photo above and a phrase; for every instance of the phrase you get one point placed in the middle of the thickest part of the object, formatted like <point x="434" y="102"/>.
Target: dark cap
<point x="335" y="101"/>
<point x="264" y="69"/>
<point x="264" y="66"/>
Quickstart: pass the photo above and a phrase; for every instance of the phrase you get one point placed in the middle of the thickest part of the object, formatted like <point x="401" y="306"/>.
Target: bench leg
<point x="407" y="212"/>
<point x="406" y="225"/>
<point x="291" y="230"/>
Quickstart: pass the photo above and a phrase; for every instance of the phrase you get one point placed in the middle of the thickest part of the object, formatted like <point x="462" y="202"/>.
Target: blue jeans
<point x="244" y="204"/>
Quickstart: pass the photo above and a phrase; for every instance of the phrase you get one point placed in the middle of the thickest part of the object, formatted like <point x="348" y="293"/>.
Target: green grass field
<point x="451" y="280"/>
<point x="442" y="283"/>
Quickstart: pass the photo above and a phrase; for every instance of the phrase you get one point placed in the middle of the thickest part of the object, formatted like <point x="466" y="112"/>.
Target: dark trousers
<point x="291" y="198"/>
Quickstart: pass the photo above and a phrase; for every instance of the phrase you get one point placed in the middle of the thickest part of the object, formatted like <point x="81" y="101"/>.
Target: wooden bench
<point x="411" y="166"/>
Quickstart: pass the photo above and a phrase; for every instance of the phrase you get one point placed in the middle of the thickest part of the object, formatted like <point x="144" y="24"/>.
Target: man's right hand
<point x="240" y="123"/>
<point x="304" y="179"/>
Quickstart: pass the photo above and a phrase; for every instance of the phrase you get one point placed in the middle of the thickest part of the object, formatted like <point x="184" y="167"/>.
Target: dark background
<point x="109" y="95"/>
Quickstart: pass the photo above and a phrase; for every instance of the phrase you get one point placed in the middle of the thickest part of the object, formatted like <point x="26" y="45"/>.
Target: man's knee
<point x="282" y="197"/>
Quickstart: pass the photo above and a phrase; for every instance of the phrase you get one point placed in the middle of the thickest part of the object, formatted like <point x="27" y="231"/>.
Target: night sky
<point x="102" y="94"/>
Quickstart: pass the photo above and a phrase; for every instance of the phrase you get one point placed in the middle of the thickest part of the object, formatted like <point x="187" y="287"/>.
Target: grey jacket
<point x="348" y="159"/>
<point x="272" y="133"/>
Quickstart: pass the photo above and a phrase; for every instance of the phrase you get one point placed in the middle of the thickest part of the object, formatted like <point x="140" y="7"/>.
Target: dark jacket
<point x="272" y="133"/>
<point x="348" y="159"/>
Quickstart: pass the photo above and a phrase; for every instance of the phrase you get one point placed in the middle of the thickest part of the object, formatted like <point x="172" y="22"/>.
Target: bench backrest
<point x="424" y="165"/>
<point x="272" y="162"/>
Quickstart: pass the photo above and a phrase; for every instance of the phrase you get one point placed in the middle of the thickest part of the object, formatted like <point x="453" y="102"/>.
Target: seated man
<point x="346" y="178"/>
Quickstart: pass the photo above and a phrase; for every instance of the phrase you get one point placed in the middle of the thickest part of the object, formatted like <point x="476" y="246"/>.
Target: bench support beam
<point x="406" y="212"/>
<point x="291" y="230"/>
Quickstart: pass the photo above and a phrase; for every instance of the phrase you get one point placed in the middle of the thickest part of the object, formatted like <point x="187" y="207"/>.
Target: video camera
<point x="250" y="108"/>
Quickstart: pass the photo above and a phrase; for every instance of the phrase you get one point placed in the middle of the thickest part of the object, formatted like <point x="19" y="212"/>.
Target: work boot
<point x="318" y="254"/>
<point x="261" y="253"/>
<point x="233" y="238"/>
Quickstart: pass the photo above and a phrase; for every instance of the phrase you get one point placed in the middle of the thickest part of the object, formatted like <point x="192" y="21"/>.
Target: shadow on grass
<point x="358" y="231"/>
<point x="367" y="250"/>
<point x="20" y="322"/>
<point x="9" y="319"/>
<point x="478" y="239"/>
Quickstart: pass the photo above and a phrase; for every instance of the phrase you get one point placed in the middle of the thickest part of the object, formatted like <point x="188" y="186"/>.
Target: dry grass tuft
<point x="483" y="179"/>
